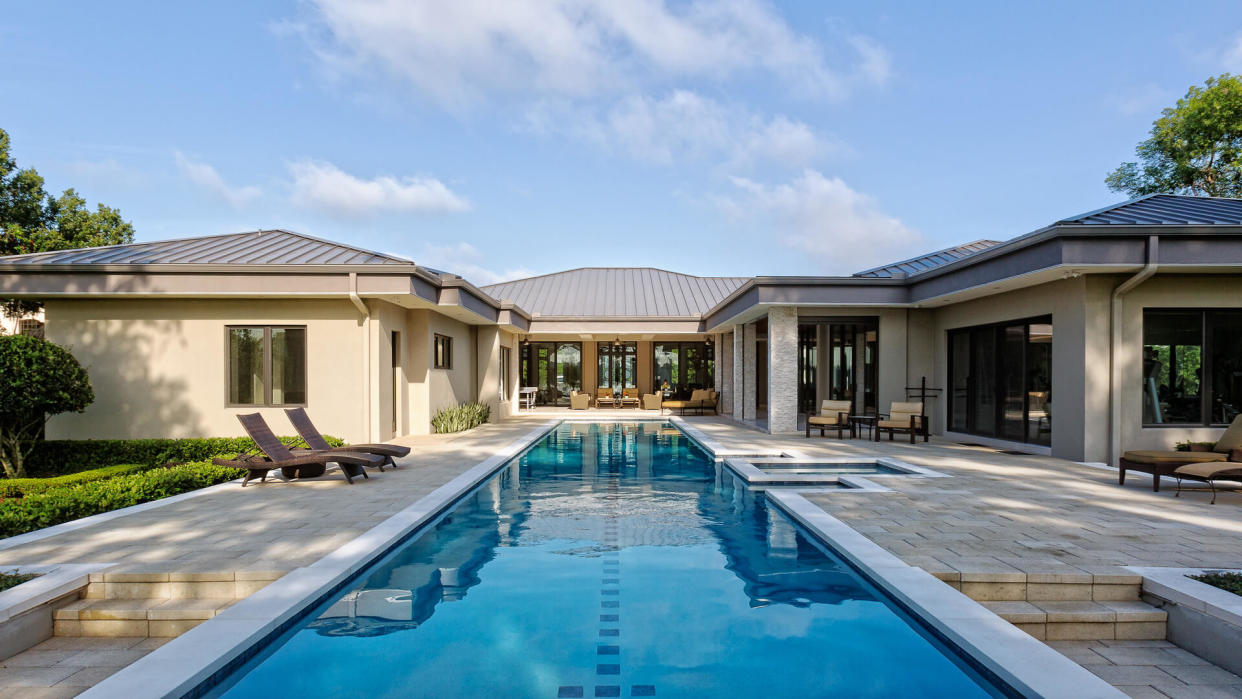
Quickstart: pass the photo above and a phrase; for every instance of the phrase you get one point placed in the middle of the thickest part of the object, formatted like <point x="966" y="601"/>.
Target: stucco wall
<point x="1163" y="291"/>
<point x="158" y="367"/>
<point x="1080" y="364"/>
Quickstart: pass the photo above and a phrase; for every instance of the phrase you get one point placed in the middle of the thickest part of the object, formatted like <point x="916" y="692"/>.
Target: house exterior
<point x="1132" y="313"/>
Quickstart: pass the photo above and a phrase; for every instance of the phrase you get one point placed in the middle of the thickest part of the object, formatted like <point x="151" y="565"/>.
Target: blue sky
<point x="499" y="140"/>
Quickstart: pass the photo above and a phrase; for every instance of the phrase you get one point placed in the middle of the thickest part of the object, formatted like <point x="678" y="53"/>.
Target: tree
<point x="38" y="379"/>
<point x="1194" y="148"/>
<point x="32" y="220"/>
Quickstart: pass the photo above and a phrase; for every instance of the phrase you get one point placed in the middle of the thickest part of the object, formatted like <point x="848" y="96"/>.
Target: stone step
<point x="1084" y="621"/>
<point x="1017" y="586"/>
<point x="133" y="584"/>
<point x="153" y="617"/>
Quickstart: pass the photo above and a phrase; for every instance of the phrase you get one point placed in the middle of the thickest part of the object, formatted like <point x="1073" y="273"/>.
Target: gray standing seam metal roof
<point x="930" y="261"/>
<point x="617" y="292"/>
<point x="275" y="247"/>
<point x="1164" y="210"/>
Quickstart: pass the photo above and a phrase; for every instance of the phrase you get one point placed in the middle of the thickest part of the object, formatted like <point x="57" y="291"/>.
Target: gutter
<point x="1114" y="379"/>
<point x="366" y="353"/>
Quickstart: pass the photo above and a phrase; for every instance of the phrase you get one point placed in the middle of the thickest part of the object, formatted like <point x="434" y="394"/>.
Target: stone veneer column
<point x="750" y="370"/>
<point x="783" y="369"/>
<point x="724" y="371"/>
<point x="737" y="382"/>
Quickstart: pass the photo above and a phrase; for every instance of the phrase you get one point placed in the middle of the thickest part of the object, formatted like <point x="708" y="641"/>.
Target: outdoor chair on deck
<point x="1211" y="472"/>
<point x="314" y="439"/>
<point x="832" y="413"/>
<point x="604" y="399"/>
<point x="579" y="400"/>
<point x="629" y="398"/>
<point x="1168" y="463"/>
<point x="700" y="399"/>
<point x="653" y="401"/>
<point x="904" y="418"/>
<point x="302" y="463"/>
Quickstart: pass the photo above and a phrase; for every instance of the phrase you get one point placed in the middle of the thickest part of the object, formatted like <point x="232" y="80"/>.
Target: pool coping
<point x="1026" y="664"/>
<point x="55" y="580"/>
<point x="748" y="469"/>
<point x="183" y="664"/>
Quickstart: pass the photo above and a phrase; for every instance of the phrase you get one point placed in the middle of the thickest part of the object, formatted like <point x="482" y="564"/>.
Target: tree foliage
<point x="38" y="379"/>
<point x="33" y="220"/>
<point x="1194" y="148"/>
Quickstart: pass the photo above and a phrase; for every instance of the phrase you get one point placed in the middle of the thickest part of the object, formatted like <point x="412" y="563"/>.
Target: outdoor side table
<point x="857" y="421"/>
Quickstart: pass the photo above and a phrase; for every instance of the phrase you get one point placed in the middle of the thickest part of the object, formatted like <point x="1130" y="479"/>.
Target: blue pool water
<point x="830" y="468"/>
<point x="609" y="560"/>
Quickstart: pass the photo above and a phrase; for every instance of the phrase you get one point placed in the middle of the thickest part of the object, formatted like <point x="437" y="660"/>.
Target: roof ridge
<point x="603" y="268"/>
<point x="877" y="268"/>
<point x="136" y="243"/>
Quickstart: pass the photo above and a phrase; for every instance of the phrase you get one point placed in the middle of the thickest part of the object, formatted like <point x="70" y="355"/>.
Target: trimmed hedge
<point x="19" y="487"/>
<point x="1229" y="582"/>
<point x="14" y="579"/>
<point x="57" y="505"/>
<point x="58" y="457"/>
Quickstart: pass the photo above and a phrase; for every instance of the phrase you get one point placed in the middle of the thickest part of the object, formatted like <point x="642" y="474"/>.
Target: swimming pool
<point x="609" y="559"/>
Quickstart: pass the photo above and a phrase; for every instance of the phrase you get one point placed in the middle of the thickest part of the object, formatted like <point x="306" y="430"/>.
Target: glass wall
<point x="681" y="367"/>
<point x="1000" y="379"/>
<point x="554" y="368"/>
<point x="1192" y="367"/>
<point x="617" y="365"/>
<point x="846" y="362"/>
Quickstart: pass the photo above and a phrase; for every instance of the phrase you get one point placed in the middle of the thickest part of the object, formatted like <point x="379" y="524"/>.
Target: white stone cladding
<point x="724" y="371"/>
<point x="783" y="369"/>
<point x="749" y="372"/>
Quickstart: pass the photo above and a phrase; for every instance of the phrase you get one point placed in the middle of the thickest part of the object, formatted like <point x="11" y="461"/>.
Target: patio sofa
<point x="700" y="399"/>
<point x="1165" y="463"/>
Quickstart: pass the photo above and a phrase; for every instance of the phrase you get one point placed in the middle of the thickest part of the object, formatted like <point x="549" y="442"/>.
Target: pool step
<point x="1084" y="621"/>
<point x="155" y="617"/>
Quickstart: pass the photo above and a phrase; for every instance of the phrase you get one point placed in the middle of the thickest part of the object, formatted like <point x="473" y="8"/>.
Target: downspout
<point x="366" y="352"/>
<point x="1114" y="383"/>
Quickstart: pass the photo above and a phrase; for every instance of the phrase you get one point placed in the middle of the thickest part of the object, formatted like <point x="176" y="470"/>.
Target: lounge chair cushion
<point x="900" y="420"/>
<point x="822" y="419"/>
<point x="1144" y="456"/>
<point x="1231" y="439"/>
<point x="832" y="407"/>
<point x="679" y="404"/>
<point x="1210" y="470"/>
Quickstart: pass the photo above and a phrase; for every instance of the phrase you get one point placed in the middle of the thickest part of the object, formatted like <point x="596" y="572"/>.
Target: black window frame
<point x="506" y="356"/>
<point x="1207" y="360"/>
<point x="442" y="359"/>
<point x="267" y="366"/>
<point x="997" y="328"/>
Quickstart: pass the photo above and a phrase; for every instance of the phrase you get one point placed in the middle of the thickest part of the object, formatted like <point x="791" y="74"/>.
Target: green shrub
<point x="38" y="379"/>
<point x="1231" y="582"/>
<point x="14" y="578"/>
<point x="51" y="458"/>
<point x="19" y="487"/>
<point x="460" y="418"/>
<point x="57" y="505"/>
<point x="1186" y="445"/>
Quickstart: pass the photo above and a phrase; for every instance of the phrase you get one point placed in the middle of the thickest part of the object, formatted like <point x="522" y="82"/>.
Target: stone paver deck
<point x="1000" y="513"/>
<point x="1152" y="669"/>
<point x="65" y="667"/>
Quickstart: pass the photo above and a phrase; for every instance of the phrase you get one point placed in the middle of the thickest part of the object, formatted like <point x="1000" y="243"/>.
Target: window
<point x="1000" y="379"/>
<point x="504" y="373"/>
<point x="1192" y="367"/>
<point x="681" y="367"/>
<point x="617" y="365"/>
<point x="266" y="365"/>
<point x="443" y="358"/>
<point x="34" y="328"/>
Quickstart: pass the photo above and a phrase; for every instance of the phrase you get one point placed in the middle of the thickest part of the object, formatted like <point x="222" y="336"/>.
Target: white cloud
<point x="205" y="176"/>
<point x="1231" y="57"/>
<point x="466" y="260"/>
<point x="823" y="217"/>
<point x="459" y="52"/>
<point x="683" y="125"/>
<point x="324" y="186"/>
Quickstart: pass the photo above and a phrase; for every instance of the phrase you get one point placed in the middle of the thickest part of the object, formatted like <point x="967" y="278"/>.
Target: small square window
<point x="443" y="356"/>
<point x="266" y="365"/>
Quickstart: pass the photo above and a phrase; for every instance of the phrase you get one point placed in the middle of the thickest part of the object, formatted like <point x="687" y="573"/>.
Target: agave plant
<point x="459" y="418"/>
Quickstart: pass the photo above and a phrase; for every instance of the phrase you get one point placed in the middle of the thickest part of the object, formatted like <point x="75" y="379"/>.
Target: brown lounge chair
<point x="832" y="413"/>
<point x="904" y="418"/>
<point x="1210" y="472"/>
<point x="700" y="400"/>
<point x="315" y="440"/>
<point x="1165" y="463"/>
<point x="302" y="463"/>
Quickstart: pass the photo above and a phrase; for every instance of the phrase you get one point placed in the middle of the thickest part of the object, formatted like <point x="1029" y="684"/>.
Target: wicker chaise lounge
<point x="604" y="399"/>
<point x="1165" y="463"/>
<point x="315" y="440"/>
<point x="1210" y="472"/>
<point x="700" y="399"/>
<point x="629" y="398"/>
<point x="832" y="413"/>
<point x="302" y="463"/>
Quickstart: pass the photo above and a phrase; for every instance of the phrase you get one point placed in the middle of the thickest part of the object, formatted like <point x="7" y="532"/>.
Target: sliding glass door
<point x="554" y="368"/>
<point x="1000" y="379"/>
<point x="681" y="367"/>
<point x="839" y="360"/>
